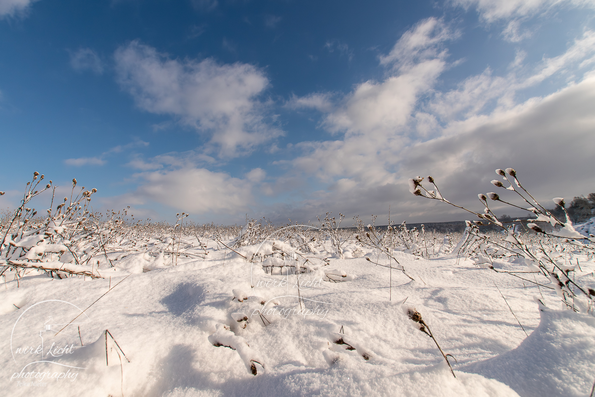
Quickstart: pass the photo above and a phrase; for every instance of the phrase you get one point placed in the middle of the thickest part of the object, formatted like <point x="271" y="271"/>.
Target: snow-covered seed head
<point x="73" y="182"/>
<point x="559" y="201"/>
<point x="413" y="184"/>
<point x="511" y="172"/>
<point x="93" y="190"/>
<point x="500" y="172"/>
<point x="414" y="315"/>
<point x="534" y="227"/>
<point x="430" y="179"/>
<point x="35" y="174"/>
<point x="482" y="197"/>
<point x="493" y="196"/>
<point x="417" y="192"/>
<point x="497" y="183"/>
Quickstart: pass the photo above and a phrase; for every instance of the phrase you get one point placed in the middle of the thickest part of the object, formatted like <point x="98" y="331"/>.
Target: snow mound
<point x="557" y="359"/>
<point x="586" y="228"/>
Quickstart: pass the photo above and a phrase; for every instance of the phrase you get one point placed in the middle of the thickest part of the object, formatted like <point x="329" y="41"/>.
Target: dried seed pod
<point x="497" y="183"/>
<point x="482" y="197"/>
<point x="493" y="196"/>
<point x="414" y="315"/>
<point x="500" y="172"/>
<point x="559" y="201"/>
<point x="511" y="172"/>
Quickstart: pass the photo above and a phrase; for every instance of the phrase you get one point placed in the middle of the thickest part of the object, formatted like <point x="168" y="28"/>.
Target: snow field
<point x="184" y="330"/>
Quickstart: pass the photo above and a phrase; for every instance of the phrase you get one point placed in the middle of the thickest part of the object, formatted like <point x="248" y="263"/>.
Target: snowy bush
<point x="546" y="248"/>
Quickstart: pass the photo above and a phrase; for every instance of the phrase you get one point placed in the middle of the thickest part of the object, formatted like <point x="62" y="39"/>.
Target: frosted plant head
<point x="559" y="201"/>
<point x="493" y="196"/>
<point x="500" y="172"/>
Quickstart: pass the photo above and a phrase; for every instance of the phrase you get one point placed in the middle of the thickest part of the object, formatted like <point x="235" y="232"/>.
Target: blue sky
<point x="289" y="109"/>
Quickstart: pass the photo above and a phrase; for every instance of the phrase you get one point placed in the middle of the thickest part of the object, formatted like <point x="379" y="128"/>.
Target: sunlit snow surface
<point x="166" y="318"/>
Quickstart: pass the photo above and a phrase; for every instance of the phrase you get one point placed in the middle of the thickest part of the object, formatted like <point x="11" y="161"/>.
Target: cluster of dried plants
<point x="543" y="243"/>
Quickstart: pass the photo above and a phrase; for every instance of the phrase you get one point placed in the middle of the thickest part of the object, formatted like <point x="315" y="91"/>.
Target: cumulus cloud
<point x="195" y="191"/>
<point x="9" y="8"/>
<point x="385" y="133"/>
<point x="547" y="140"/>
<point x="86" y="59"/>
<point x="217" y="99"/>
<point x="256" y="175"/>
<point x="374" y="117"/>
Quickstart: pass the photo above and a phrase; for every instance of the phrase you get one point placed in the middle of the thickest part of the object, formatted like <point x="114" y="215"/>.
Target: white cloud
<point x="475" y="94"/>
<point x="319" y="101"/>
<point x="195" y="191"/>
<point x="514" y="33"/>
<point x="375" y="117"/>
<point x="470" y="97"/>
<point x="581" y="48"/>
<point x="100" y="160"/>
<point x="213" y="98"/>
<point x="14" y="7"/>
<point x="458" y="136"/>
<point x="385" y="107"/>
<point x="256" y="175"/>
<point x="81" y="161"/>
<point x="86" y="59"/>
<point x="418" y="44"/>
<point x="493" y="10"/>
<point x="416" y="60"/>
<point x="514" y="12"/>
<point x="547" y="140"/>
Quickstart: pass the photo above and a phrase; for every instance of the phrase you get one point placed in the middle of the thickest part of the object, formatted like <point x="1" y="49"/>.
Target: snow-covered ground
<point x="204" y="325"/>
